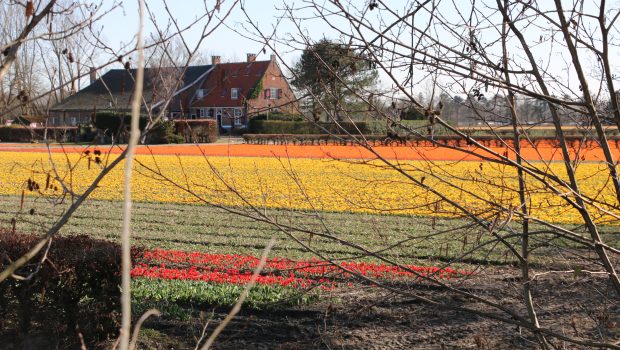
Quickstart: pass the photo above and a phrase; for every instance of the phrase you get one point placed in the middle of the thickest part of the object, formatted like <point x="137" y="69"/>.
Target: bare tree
<point x="495" y="54"/>
<point x="71" y="34"/>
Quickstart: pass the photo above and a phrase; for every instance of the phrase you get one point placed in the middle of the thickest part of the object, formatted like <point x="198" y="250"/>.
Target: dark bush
<point x="412" y="114"/>
<point x="75" y="290"/>
<point x="86" y="133"/>
<point x="164" y="132"/>
<point x="197" y="130"/>
<point x="28" y="134"/>
<point x="116" y="122"/>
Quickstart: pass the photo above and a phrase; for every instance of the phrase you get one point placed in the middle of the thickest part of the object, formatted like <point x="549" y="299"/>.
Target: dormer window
<point x="234" y="93"/>
<point x="200" y="93"/>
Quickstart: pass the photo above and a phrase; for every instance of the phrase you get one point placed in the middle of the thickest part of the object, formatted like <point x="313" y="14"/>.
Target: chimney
<point x="216" y="59"/>
<point x="251" y="57"/>
<point x="93" y="75"/>
<point x="273" y="57"/>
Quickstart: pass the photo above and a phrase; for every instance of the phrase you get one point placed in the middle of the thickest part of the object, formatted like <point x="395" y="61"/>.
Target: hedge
<point x="257" y="126"/>
<point x="75" y="290"/>
<point x="28" y="134"/>
<point x="113" y="122"/>
<point x="280" y="116"/>
<point x="197" y="130"/>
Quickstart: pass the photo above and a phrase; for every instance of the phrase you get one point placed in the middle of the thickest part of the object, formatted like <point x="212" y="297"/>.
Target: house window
<point x="273" y="94"/>
<point x="234" y="93"/>
<point x="200" y="93"/>
<point x="203" y="112"/>
<point x="224" y="92"/>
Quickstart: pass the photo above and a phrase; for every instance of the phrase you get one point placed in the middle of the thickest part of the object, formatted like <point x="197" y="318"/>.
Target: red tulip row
<point x="237" y="269"/>
<point x="233" y="277"/>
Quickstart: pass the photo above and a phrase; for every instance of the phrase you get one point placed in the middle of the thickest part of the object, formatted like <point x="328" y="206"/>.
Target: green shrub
<point x="164" y="132"/>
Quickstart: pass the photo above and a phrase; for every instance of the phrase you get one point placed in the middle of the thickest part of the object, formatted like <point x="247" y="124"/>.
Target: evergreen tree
<point x="332" y="73"/>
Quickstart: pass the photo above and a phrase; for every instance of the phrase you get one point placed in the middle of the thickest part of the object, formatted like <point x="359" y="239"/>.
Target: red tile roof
<point x="226" y="76"/>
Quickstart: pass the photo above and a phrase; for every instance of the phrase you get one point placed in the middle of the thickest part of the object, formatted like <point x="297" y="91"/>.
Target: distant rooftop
<point x="114" y="89"/>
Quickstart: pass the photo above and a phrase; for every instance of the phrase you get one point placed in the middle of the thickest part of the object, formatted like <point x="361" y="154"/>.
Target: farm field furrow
<point x="216" y="231"/>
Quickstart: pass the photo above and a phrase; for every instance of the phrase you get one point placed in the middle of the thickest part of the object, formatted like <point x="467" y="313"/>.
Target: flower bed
<point x="237" y="269"/>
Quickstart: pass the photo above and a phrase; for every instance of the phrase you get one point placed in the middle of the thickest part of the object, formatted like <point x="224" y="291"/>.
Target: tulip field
<point x="195" y="249"/>
<point x="307" y="184"/>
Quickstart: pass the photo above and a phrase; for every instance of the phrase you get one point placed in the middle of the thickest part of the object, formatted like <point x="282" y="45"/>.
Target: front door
<point x="218" y="115"/>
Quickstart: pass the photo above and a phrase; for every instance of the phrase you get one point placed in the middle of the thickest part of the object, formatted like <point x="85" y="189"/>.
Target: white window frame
<point x="200" y="93"/>
<point x="237" y="116"/>
<point x="273" y="93"/>
<point x="203" y="112"/>
<point x="234" y="93"/>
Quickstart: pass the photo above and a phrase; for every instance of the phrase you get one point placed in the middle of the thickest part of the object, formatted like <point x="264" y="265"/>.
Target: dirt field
<point x="375" y="319"/>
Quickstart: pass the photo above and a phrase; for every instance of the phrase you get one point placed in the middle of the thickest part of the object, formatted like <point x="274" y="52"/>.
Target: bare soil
<point x="372" y="318"/>
<point x="578" y="306"/>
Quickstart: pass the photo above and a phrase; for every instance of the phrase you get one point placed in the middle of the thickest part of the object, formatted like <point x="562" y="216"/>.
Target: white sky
<point x="230" y="42"/>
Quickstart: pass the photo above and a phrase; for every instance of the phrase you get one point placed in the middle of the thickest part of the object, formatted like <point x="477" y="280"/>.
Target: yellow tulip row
<point x="313" y="184"/>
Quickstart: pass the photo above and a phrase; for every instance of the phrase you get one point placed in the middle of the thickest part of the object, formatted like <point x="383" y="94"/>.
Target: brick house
<point x="232" y="93"/>
<point x="235" y="92"/>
